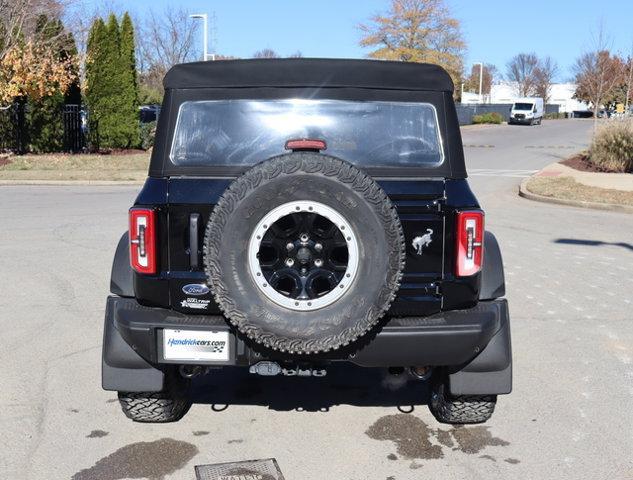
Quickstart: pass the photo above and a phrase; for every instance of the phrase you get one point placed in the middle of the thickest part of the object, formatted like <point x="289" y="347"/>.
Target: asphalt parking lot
<point x="569" y="280"/>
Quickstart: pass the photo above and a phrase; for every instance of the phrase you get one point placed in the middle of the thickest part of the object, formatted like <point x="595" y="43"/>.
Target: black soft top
<point x="309" y="72"/>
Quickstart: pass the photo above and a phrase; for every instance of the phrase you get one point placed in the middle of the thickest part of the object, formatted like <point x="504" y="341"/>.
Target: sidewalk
<point x="615" y="181"/>
<point x="564" y="185"/>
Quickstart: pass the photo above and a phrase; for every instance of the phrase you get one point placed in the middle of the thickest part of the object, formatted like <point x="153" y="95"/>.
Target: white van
<point x="527" y="110"/>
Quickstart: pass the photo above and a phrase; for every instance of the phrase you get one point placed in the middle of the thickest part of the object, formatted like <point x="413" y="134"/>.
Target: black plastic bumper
<point x="456" y="339"/>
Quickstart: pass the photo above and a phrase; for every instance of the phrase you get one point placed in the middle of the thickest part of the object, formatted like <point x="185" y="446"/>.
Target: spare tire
<point x="304" y="253"/>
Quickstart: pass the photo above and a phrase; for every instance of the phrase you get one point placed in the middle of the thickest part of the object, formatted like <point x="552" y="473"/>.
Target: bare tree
<point x="521" y="70"/>
<point x="165" y="39"/>
<point x="417" y="31"/>
<point x="544" y="74"/>
<point x="266" y="53"/>
<point x="296" y="54"/>
<point x="18" y="19"/>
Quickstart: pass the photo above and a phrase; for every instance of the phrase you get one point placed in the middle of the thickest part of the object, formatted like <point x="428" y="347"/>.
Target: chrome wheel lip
<point x="303" y="206"/>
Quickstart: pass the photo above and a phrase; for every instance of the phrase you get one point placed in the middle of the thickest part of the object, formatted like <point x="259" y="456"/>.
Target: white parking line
<point x="494" y="172"/>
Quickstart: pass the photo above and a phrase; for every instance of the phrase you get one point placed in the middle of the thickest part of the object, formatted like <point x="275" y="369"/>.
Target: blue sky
<point x="494" y="30"/>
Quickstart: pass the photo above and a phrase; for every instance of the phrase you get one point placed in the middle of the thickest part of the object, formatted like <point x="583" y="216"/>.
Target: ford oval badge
<point x="195" y="289"/>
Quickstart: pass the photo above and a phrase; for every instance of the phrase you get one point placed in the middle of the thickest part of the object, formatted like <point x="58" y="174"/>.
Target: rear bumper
<point x="456" y="339"/>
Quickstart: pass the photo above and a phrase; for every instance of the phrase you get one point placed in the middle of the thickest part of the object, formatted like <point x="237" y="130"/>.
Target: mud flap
<point x="121" y="279"/>
<point x="122" y="369"/>
<point x="490" y="372"/>
<point x="493" y="283"/>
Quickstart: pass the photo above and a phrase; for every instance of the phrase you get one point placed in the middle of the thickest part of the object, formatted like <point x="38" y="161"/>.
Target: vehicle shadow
<point x="343" y="385"/>
<point x="592" y="243"/>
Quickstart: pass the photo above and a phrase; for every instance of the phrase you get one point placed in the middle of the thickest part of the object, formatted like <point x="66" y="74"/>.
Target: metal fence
<point x="14" y="128"/>
<point x="465" y="113"/>
<point x="74" y="128"/>
<point x="13" y="131"/>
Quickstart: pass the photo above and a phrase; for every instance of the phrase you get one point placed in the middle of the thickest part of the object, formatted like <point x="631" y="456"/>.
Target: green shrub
<point x="612" y="146"/>
<point x="492" y="117"/>
<point x="554" y="116"/>
<point x="148" y="133"/>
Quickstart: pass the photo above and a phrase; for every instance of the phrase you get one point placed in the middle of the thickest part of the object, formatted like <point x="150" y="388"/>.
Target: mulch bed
<point x="120" y="151"/>
<point x="581" y="162"/>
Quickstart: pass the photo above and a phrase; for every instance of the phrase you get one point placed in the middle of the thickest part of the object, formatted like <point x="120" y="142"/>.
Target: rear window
<point x="245" y="132"/>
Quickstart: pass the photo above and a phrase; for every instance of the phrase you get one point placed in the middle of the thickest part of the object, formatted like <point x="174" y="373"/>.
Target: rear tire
<point x="460" y="409"/>
<point x="167" y="406"/>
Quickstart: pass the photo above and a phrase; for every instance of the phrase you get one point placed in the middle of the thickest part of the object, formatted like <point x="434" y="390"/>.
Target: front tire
<point x="460" y="409"/>
<point x="167" y="406"/>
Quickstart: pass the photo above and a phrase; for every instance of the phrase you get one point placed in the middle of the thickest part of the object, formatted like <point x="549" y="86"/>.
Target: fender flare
<point x="122" y="277"/>
<point x="493" y="283"/>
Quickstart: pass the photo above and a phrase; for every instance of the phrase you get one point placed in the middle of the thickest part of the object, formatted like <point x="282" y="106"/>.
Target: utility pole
<point x="481" y="80"/>
<point x="628" y="83"/>
<point x="205" y="34"/>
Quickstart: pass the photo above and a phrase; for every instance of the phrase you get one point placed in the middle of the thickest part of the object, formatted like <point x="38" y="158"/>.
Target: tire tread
<point x="330" y="167"/>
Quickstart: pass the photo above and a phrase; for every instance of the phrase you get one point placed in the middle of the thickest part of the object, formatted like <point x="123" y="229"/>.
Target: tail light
<point x="143" y="240"/>
<point x="469" y="246"/>
<point x="306" y="144"/>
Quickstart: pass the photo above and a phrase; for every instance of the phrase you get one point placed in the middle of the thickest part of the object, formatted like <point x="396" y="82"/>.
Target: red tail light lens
<point x="143" y="240"/>
<point x="470" y="242"/>
<point x="306" y="144"/>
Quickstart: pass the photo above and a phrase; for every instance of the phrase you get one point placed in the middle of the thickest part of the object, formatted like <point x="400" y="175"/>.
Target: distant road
<point x="498" y="156"/>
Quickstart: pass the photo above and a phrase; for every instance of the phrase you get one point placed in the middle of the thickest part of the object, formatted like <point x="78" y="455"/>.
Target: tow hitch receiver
<point x="270" y="369"/>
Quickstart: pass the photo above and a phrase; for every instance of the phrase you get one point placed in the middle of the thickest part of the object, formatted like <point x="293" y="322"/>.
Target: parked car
<point x="300" y="213"/>
<point x="528" y="111"/>
<point x="149" y="113"/>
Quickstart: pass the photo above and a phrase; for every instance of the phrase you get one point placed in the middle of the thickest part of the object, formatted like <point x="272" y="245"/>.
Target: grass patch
<point x="566" y="188"/>
<point x="126" y="166"/>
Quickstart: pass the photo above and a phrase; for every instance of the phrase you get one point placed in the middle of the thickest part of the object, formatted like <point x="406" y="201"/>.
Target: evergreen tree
<point x="96" y="73"/>
<point x="110" y="128"/>
<point x="112" y="90"/>
<point x="129" y="86"/>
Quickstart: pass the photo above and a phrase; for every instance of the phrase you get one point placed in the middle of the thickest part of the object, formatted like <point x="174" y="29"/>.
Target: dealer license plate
<point x="191" y="345"/>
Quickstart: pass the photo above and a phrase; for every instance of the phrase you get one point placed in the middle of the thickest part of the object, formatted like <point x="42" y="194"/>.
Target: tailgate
<point x="419" y="205"/>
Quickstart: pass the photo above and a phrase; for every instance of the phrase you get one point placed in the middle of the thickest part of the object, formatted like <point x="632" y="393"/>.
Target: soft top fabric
<point x="309" y="72"/>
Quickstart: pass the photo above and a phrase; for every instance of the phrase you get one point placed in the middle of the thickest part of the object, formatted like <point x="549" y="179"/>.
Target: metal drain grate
<point x="266" y="469"/>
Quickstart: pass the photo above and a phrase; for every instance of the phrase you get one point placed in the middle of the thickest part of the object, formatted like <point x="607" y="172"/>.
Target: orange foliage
<point x="34" y="71"/>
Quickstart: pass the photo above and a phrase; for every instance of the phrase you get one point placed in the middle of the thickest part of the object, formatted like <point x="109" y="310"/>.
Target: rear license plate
<point x="192" y="345"/>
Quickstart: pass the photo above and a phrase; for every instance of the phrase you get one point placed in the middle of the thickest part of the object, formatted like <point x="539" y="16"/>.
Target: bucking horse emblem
<point x="422" y="241"/>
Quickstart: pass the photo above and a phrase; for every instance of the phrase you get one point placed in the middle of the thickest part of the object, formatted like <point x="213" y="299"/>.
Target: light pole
<point x="205" y="35"/>
<point x="481" y="79"/>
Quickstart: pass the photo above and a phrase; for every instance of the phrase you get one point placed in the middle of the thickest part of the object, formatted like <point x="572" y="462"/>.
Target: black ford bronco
<point x="300" y="213"/>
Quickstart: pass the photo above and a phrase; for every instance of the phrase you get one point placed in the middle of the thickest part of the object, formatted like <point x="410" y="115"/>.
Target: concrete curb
<point x="612" y="207"/>
<point x="70" y="182"/>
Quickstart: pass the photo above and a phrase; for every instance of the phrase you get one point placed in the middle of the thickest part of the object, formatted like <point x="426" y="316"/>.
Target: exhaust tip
<point x="421" y="373"/>
<point x="190" y="371"/>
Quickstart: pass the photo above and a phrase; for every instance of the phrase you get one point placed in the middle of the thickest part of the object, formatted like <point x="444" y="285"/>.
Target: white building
<point x="561" y="94"/>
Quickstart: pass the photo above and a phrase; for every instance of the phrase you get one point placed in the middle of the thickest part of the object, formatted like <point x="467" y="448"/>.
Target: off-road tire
<point x="158" y="407"/>
<point x="302" y="176"/>
<point x="460" y="409"/>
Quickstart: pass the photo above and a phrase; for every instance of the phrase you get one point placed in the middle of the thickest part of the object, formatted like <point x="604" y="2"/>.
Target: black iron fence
<point x="15" y="128"/>
<point x="13" y="131"/>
